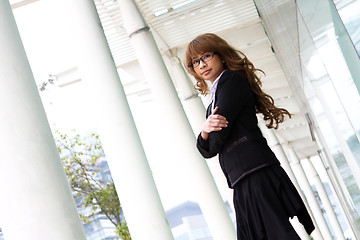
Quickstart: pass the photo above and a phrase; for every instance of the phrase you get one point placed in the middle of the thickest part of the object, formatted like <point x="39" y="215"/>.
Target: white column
<point x="192" y="103"/>
<point x="196" y="113"/>
<point x="323" y="227"/>
<point x="277" y="148"/>
<point x="325" y="201"/>
<point x="124" y="152"/>
<point x="173" y="124"/>
<point x="36" y="201"/>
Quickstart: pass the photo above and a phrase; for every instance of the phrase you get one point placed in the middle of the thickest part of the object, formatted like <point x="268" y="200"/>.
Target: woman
<point x="264" y="196"/>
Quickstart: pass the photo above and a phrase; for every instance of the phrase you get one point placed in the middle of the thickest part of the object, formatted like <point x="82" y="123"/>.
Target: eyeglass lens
<point x="205" y="58"/>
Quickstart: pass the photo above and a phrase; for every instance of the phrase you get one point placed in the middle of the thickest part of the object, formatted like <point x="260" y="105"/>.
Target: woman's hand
<point x="214" y="122"/>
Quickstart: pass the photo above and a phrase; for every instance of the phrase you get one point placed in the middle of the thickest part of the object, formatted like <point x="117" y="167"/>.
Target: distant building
<point x="188" y="223"/>
<point x="99" y="228"/>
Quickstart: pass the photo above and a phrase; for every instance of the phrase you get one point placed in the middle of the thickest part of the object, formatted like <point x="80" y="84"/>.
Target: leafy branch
<point x="82" y="158"/>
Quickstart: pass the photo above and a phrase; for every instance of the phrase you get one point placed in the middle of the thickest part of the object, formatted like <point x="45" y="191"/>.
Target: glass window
<point x="323" y="68"/>
<point x="349" y="12"/>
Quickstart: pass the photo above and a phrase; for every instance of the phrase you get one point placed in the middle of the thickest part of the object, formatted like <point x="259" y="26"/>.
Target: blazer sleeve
<point x="232" y="94"/>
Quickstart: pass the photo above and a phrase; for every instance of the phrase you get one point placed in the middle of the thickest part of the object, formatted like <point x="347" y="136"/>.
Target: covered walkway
<point x="126" y="56"/>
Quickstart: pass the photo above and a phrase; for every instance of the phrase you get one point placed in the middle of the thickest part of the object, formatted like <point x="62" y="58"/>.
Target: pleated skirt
<point x="264" y="201"/>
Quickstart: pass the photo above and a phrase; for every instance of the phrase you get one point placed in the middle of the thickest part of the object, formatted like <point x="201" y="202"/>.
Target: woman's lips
<point x="205" y="72"/>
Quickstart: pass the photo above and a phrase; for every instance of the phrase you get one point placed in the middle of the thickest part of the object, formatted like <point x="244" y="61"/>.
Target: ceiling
<point x="175" y="22"/>
<point x="20" y="3"/>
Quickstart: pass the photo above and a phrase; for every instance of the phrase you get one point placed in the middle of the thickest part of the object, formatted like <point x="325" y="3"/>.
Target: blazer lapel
<point x="208" y="111"/>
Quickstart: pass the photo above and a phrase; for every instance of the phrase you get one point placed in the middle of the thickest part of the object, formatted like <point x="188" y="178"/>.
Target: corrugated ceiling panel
<point x="173" y="22"/>
<point x="178" y="26"/>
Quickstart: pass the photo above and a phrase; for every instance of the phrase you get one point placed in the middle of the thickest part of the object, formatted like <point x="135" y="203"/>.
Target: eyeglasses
<point x="205" y="58"/>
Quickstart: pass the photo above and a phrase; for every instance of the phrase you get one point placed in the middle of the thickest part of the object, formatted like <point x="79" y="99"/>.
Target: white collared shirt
<point x="213" y="91"/>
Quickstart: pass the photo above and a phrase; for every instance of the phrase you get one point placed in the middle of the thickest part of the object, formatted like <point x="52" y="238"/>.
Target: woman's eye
<point x="195" y="62"/>
<point x="206" y="56"/>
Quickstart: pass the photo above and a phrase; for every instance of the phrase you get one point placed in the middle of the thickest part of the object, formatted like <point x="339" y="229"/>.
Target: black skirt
<point x="264" y="201"/>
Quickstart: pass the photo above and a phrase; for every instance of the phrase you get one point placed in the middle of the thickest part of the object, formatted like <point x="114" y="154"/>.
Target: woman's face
<point x="209" y="67"/>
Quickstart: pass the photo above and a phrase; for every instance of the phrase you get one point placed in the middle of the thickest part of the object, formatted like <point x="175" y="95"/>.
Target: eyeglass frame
<point x="201" y="59"/>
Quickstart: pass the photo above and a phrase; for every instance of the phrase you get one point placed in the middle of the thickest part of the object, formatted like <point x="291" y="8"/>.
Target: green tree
<point x="82" y="157"/>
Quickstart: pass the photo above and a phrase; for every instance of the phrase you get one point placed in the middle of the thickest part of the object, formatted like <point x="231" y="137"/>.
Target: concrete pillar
<point x="325" y="201"/>
<point x="124" y="152"/>
<point x="320" y="220"/>
<point x="196" y="112"/>
<point x="277" y="148"/>
<point x="190" y="99"/>
<point x="173" y="124"/>
<point x="36" y="201"/>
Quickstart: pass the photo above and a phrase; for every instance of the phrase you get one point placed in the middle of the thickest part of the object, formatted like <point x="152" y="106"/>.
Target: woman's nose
<point x="202" y="63"/>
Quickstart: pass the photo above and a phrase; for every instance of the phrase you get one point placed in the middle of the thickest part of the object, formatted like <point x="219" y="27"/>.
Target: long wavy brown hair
<point x="237" y="61"/>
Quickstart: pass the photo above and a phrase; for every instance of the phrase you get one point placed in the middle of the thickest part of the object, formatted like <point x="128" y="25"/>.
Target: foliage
<point x="83" y="158"/>
<point x="123" y="231"/>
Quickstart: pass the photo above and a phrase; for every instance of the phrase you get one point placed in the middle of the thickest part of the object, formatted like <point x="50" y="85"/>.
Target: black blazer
<point x="241" y="147"/>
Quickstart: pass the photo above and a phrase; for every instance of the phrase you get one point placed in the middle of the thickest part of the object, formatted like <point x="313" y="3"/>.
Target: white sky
<point x="47" y="48"/>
